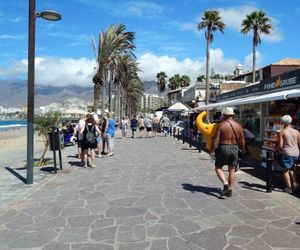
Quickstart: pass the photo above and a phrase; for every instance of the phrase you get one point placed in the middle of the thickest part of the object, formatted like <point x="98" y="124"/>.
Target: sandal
<point x="93" y="166"/>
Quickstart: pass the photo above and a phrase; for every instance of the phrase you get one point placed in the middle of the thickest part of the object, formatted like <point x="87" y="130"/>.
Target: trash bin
<point x="58" y="142"/>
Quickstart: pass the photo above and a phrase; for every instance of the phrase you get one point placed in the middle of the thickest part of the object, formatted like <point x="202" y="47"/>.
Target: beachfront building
<point x="152" y="102"/>
<point x="176" y="95"/>
<point x="274" y="69"/>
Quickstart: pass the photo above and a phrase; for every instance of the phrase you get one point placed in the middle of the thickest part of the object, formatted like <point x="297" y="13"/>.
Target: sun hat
<point x="286" y="119"/>
<point x="228" y="111"/>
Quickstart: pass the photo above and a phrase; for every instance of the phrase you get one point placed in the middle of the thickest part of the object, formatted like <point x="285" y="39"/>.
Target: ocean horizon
<point x="12" y="124"/>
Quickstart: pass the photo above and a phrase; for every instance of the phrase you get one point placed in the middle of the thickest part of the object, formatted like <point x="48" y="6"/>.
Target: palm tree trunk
<point x="110" y="91"/>
<point x="97" y="88"/>
<point x="254" y="60"/>
<point x="103" y="98"/>
<point x="117" y="101"/>
<point x="207" y="71"/>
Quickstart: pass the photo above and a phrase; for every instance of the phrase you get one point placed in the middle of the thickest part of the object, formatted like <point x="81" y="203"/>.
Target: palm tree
<point x="112" y="44"/>
<point x="185" y="81"/>
<point x="259" y="23"/>
<point x="43" y="125"/>
<point x="211" y="21"/>
<point x="161" y="81"/>
<point x="131" y="86"/>
<point x="174" y="82"/>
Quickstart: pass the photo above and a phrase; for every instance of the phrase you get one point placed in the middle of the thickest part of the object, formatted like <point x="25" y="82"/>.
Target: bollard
<point x="200" y="145"/>
<point x="183" y="137"/>
<point x="174" y="131"/>
<point x="190" y="138"/>
<point x="178" y="134"/>
<point x="269" y="172"/>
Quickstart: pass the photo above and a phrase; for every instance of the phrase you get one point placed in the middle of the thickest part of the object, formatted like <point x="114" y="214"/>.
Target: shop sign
<point x="283" y="81"/>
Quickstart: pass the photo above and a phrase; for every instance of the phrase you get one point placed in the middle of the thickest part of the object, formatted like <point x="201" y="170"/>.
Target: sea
<point x="12" y="124"/>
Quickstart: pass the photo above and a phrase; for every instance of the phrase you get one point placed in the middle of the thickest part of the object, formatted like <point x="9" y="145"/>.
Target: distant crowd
<point x="95" y="136"/>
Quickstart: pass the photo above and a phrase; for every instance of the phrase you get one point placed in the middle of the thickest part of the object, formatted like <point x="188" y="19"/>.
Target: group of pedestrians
<point x="229" y="141"/>
<point x="141" y="126"/>
<point x="93" y="137"/>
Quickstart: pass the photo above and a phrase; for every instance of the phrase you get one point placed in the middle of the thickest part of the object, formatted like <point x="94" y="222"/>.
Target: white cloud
<point x="151" y="64"/>
<point x="54" y="71"/>
<point x="233" y="16"/>
<point x="11" y="37"/>
<point x="141" y="8"/>
<point x="249" y="59"/>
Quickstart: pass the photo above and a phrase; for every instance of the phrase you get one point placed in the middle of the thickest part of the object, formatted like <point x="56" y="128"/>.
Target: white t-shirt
<point x="79" y="126"/>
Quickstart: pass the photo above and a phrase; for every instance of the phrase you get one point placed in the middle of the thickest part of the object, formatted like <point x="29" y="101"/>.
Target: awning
<point x="280" y="95"/>
<point x="276" y="96"/>
<point x="178" y="107"/>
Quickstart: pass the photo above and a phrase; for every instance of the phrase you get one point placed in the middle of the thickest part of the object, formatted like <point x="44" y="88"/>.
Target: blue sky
<point x="166" y="36"/>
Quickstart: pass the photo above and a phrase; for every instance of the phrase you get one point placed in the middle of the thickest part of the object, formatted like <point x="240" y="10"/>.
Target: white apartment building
<point x="152" y="102"/>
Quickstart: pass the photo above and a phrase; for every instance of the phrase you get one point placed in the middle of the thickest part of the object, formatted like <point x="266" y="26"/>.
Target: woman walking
<point x="89" y="143"/>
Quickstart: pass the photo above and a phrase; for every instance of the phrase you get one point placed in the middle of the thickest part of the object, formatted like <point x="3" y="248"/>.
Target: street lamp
<point x="51" y="16"/>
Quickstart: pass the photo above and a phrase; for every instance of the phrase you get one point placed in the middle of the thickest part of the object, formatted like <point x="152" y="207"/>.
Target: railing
<point x="189" y="137"/>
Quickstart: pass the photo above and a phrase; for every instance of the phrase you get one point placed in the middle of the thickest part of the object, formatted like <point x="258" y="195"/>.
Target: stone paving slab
<point x="154" y="193"/>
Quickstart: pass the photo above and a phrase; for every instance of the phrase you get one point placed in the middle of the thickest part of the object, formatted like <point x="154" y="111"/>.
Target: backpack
<point x="90" y="137"/>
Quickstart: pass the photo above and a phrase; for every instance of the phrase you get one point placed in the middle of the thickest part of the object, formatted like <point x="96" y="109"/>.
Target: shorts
<point x="227" y="154"/>
<point x="287" y="161"/>
<point x="141" y="128"/>
<point x="79" y="143"/>
<point x="99" y="139"/>
<point x="155" y="127"/>
<point x="166" y="129"/>
<point x="148" y="129"/>
<point x="133" y="128"/>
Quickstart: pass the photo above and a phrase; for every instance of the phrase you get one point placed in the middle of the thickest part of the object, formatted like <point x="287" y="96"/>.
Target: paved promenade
<point x="154" y="193"/>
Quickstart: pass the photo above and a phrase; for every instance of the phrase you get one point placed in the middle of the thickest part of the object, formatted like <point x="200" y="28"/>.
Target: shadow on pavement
<point x="253" y="186"/>
<point x="75" y="163"/>
<point x="72" y="156"/>
<point x="20" y="177"/>
<point x="202" y="189"/>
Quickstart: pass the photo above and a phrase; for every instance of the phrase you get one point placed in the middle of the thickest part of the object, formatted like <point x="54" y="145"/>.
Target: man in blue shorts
<point x="133" y="125"/>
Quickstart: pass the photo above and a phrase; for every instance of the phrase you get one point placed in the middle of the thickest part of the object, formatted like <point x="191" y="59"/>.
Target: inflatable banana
<point x="206" y="129"/>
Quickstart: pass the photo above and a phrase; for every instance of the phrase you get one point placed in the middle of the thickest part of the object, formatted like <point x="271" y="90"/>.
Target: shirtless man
<point x="226" y="148"/>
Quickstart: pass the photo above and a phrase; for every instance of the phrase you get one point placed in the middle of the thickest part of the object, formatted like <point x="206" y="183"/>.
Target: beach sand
<point x="14" y="143"/>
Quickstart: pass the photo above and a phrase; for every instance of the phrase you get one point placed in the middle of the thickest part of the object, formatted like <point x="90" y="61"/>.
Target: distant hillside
<point x="14" y="93"/>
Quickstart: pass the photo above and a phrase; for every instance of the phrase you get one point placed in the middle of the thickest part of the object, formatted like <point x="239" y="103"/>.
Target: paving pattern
<point x="154" y="193"/>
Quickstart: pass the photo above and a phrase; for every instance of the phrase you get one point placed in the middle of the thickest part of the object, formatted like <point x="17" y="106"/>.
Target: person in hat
<point x="227" y="141"/>
<point x="289" y="142"/>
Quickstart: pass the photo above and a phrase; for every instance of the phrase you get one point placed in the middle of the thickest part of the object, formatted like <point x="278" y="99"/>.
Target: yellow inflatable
<point x="206" y="129"/>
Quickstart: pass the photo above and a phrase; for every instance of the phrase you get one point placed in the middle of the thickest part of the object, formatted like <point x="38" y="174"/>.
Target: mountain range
<point x="14" y="93"/>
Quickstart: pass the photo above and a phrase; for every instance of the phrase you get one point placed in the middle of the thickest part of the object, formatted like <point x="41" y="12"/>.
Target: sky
<point x="166" y="33"/>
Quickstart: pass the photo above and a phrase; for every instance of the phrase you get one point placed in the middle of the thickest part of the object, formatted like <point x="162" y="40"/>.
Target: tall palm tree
<point x="259" y="23"/>
<point x="211" y="21"/>
<point x="132" y="89"/>
<point x="112" y="43"/>
<point x="161" y="81"/>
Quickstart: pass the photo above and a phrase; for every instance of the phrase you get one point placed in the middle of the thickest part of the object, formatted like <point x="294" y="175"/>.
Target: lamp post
<point x="51" y="16"/>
